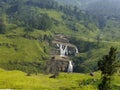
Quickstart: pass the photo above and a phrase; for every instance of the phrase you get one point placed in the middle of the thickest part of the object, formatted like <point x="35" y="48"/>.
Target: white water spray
<point x="70" y="67"/>
<point x="76" y="50"/>
<point x="66" y="52"/>
<point x="57" y="45"/>
<point x="62" y="50"/>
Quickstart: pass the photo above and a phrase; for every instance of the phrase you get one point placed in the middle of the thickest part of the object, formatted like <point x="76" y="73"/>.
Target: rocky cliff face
<point x="63" y="47"/>
<point x="57" y="64"/>
<point x="60" y="52"/>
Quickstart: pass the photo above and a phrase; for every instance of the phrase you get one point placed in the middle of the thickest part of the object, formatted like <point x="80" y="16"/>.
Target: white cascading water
<point x="57" y="45"/>
<point x="76" y="50"/>
<point x="62" y="50"/>
<point x="66" y="52"/>
<point x="70" y="67"/>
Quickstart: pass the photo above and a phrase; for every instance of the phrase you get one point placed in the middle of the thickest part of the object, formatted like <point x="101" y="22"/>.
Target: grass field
<point x="73" y="81"/>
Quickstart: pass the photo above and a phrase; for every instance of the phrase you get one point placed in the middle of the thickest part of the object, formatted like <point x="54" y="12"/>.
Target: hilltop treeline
<point x="27" y="13"/>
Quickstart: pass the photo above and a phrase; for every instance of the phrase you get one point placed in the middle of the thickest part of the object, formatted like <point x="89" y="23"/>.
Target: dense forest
<point x="27" y="28"/>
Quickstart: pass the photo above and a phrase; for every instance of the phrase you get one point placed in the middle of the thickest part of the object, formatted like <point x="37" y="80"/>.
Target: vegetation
<point x="26" y="52"/>
<point x="30" y="22"/>
<point x="27" y="28"/>
<point x="108" y="66"/>
<point x="2" y="27"/>
<point x="19" y="80"/>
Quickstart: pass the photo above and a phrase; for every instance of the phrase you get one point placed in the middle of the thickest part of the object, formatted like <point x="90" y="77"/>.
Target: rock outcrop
<point x="62" y="46"/>
<point x="61" y="50"/>
<point x="57" y="64"/>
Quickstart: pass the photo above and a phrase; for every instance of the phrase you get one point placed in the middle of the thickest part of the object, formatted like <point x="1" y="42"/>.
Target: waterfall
<point x="62" y="50"/>
<point x="70" y="67"/>
<point x="58" y="45"/>
<point x="66" y="52"/>
<point x="76" y="50"/>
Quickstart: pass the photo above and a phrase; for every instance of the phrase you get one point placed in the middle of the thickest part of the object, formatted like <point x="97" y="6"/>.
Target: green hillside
<point x="27" y="31"/>
<point x="25" y="38"/>
<point x="20" y="52"/>
<point x="27" y="28"/>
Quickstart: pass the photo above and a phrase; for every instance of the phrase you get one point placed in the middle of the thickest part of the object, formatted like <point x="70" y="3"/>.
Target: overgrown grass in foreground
<point x="75" y="81"/>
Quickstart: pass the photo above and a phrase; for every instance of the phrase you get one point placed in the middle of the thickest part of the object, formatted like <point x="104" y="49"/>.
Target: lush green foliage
<point x="108" y="67"/>
<point x="26" y="22"/>
<point x="19" y="80"/>
<point x="26" y="52"/>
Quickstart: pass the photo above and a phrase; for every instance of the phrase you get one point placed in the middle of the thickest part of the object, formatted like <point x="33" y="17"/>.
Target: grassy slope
<point x="19" y="80"/>
<point x="29" y="50"/>
<point x="15" y="50"/>
<point x="16" y="79"/>
<point x="14" y="47"/>
<point x="26" y="47"/>
<point x="111" y="31"/>
<point x="62" y="27"/>
<point x="93" y="55"/>
<point x="32" y="50"/>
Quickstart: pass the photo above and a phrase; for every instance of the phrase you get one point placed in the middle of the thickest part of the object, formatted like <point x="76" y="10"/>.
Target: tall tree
<point x="107" y="65"/>
<point x="2" y="27"/>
